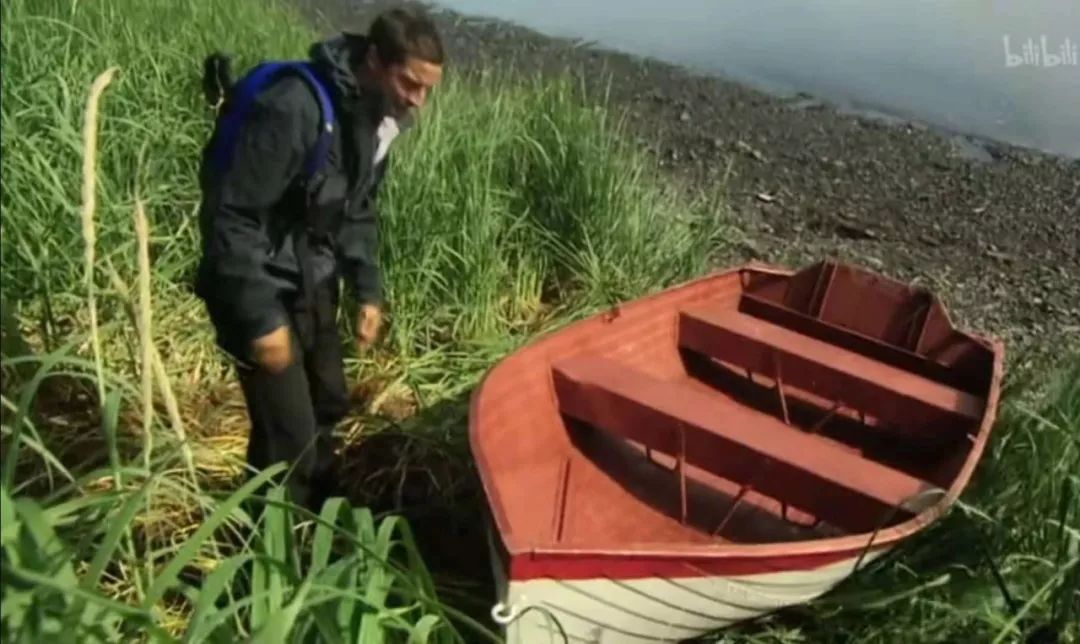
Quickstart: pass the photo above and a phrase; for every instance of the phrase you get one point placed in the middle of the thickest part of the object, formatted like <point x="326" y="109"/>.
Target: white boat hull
<point x="636" y="611"/>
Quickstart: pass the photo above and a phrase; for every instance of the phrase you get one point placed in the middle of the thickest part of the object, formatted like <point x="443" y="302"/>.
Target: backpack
<point x="237" y="98"/>
<point x="232" y="103"/>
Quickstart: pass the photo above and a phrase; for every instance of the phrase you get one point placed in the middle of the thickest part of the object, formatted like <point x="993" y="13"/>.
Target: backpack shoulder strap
<point x="243" y="95"/>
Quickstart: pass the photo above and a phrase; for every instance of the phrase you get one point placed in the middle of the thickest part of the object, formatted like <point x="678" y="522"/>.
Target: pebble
<point x="747" y="148"/>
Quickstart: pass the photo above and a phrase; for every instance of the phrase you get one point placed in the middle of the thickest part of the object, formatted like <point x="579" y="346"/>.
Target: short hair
<point x="400" y="34"/>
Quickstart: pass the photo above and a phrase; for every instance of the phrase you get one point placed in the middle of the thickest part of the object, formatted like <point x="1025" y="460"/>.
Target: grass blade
<point x="323" y="541"/>
<point x="423" y="630"/>
<point x="282" y="621"/>
<point x="267" y="581"/>
<point x="9" y="519"/>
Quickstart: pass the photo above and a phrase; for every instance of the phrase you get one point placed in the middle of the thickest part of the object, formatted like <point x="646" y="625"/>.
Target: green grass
<point x="124" y="504"/>
<point x="511" y="209"/>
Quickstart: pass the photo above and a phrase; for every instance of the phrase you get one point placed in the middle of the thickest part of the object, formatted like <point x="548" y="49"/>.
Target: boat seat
<point x="746" y="446"/>
<point x="875" y="388"/>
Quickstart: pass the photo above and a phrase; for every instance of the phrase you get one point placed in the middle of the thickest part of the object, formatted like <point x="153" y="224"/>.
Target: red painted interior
<point x="661" y="426"/>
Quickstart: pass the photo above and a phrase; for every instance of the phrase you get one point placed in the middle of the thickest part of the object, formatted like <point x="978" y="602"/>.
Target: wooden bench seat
<point x="721" y="436"/>
<point x="878" y="389"/>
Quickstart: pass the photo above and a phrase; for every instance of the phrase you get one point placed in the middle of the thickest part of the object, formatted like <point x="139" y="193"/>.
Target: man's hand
<point x="368" y="322"/>
<point x="273" y="351"/>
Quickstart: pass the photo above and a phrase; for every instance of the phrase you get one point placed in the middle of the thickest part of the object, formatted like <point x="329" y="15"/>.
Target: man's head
<point x="404" y="59"/>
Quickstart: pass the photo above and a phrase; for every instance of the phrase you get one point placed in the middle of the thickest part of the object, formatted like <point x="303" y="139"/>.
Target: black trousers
<point x="293" y="413"/>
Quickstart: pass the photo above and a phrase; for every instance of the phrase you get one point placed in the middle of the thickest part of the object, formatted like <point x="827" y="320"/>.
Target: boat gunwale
<point x="869" y="541"/>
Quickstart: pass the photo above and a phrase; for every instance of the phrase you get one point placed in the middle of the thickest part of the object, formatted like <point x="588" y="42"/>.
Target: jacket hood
<point x="337" y="57"/>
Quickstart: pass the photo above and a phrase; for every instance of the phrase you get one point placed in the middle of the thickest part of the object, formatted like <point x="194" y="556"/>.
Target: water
<point x="955" y="64"/>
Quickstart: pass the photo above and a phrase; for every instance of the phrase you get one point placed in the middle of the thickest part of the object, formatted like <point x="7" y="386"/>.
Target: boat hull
<point x="605" y="608"/>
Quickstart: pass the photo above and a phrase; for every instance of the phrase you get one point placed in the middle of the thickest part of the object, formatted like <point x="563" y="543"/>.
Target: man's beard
<point x="399" y="111"/>
<point x="384" y="104"/>
<point x="381" y="103"/>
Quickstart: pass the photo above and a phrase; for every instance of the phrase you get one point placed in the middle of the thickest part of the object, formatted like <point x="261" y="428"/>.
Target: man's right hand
<point x="273" y="351"/>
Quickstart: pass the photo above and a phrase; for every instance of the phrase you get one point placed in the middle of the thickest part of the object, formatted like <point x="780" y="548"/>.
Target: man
<point x="269" y="275"/>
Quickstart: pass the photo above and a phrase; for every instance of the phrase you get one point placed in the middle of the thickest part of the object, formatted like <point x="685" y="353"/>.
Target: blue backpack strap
<point x="243" y="96"/>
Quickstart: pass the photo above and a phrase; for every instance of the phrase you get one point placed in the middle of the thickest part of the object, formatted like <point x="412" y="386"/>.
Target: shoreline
<point x="992" y="227"/>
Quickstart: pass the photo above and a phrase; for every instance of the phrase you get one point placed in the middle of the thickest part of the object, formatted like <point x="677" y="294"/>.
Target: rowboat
<point x="724" y="448"/>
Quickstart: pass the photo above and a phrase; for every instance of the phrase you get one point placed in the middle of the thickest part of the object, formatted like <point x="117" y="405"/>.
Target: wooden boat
<point x="722" y="449"/>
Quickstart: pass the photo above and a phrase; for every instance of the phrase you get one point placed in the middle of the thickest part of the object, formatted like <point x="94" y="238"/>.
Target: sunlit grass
<point x="126" y="513"/>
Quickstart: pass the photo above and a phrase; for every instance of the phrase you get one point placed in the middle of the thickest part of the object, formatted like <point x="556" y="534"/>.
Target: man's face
<point x="406" y="86"/>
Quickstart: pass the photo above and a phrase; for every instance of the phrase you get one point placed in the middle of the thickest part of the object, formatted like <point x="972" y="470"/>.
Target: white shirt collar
<point x="387" y="132"/>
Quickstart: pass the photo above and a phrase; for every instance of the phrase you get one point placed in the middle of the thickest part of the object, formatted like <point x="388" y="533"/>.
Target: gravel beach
<point x="993" y="228"/>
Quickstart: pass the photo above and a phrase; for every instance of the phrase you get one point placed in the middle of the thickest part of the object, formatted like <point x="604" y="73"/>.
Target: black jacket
<point x="250" y="214"/>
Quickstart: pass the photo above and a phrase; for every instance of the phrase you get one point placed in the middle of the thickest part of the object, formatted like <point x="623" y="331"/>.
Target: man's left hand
<point x="368" y="323"/>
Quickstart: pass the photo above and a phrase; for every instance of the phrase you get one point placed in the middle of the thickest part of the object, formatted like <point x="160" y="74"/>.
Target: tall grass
<point x="126" y="514"/>
<point x="567" y="229"/>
